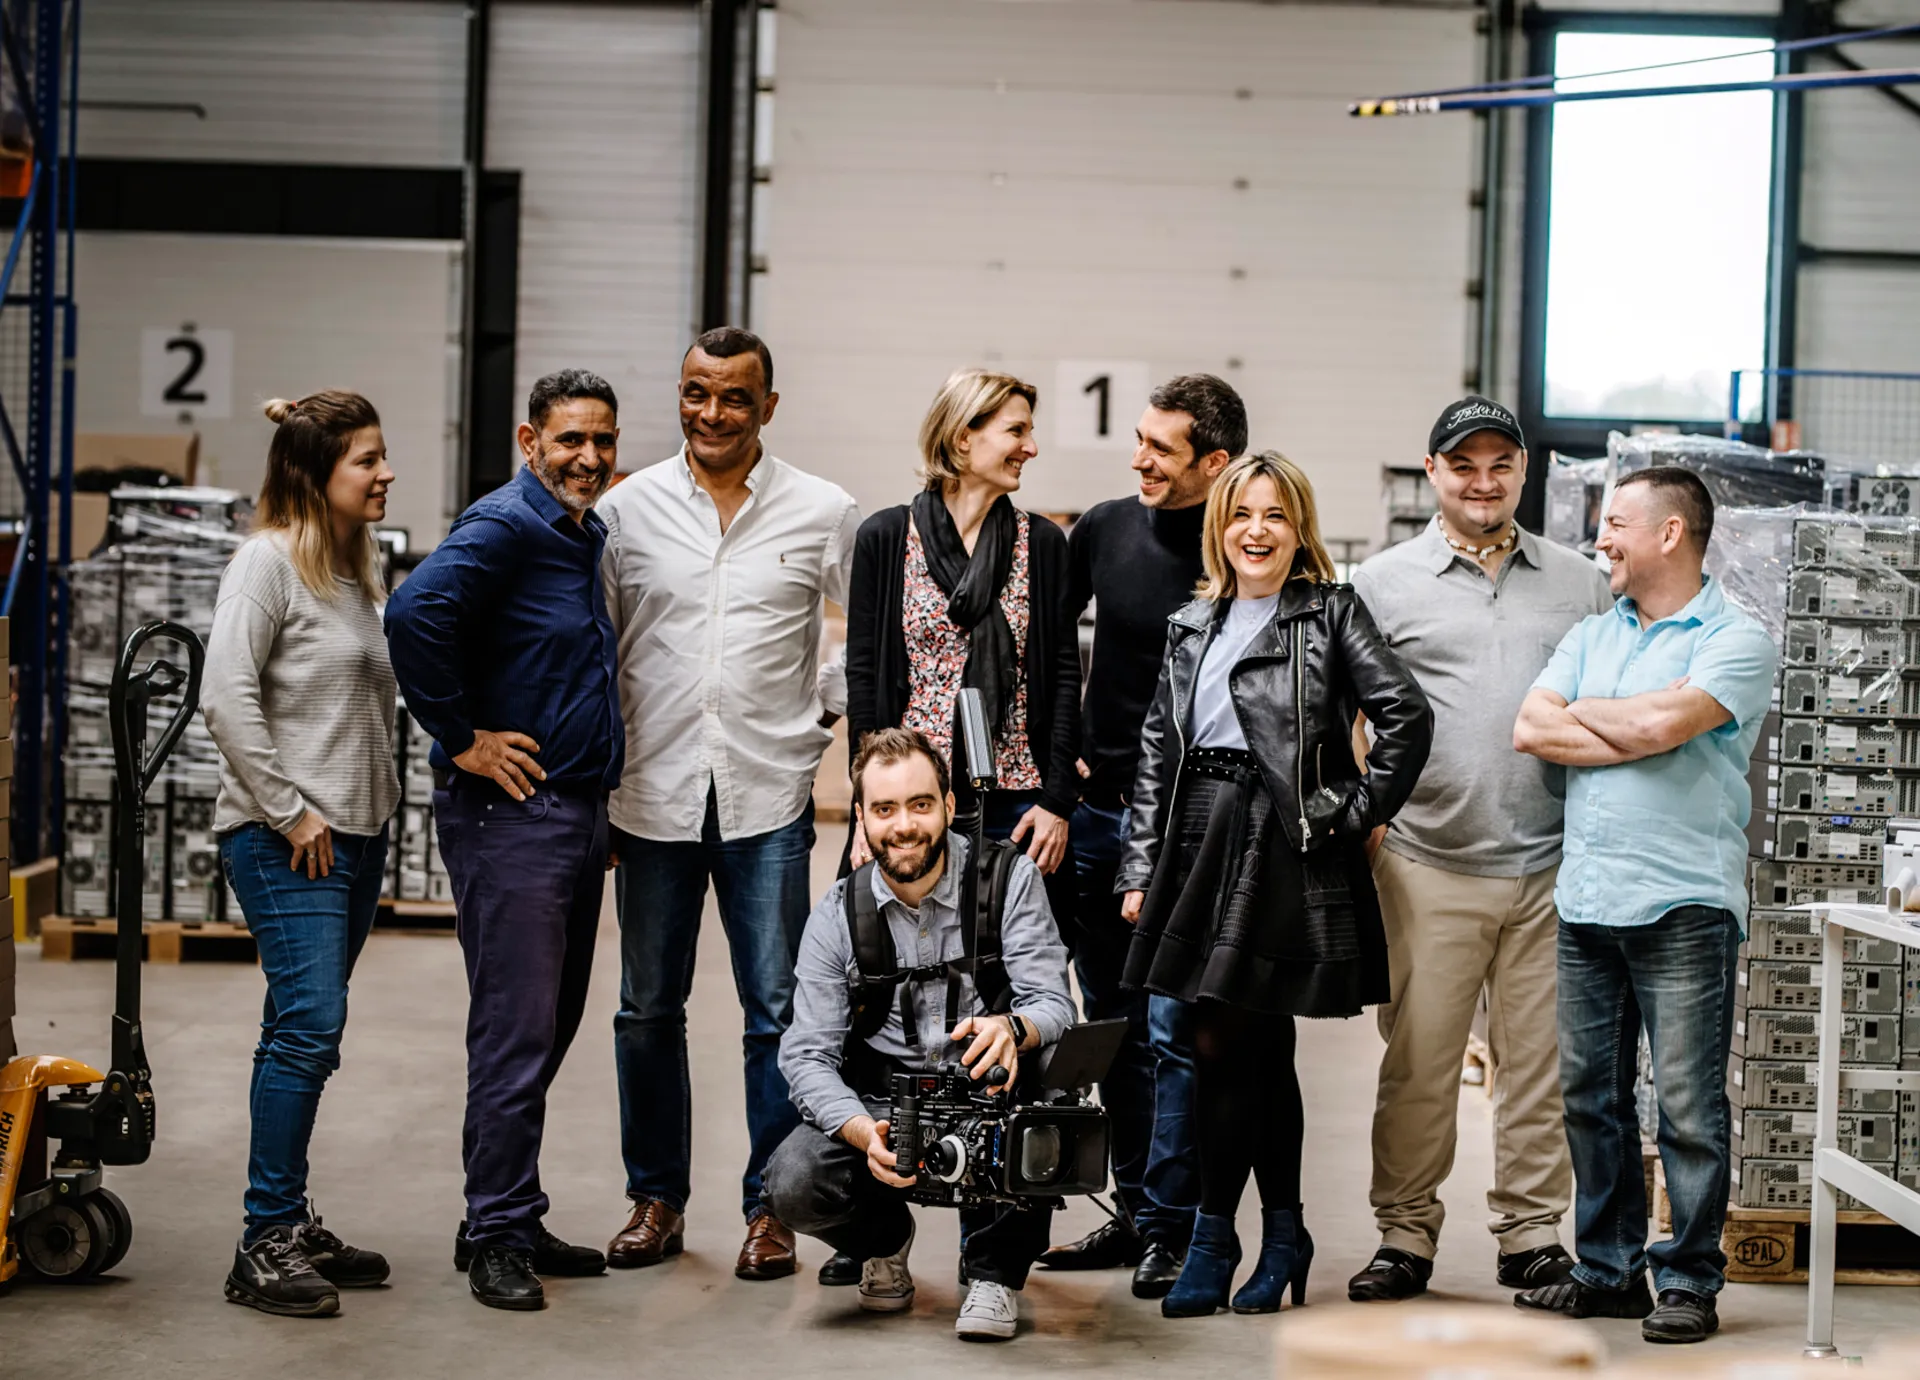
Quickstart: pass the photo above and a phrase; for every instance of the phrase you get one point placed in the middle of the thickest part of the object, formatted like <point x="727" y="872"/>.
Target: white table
<point x="1833" y="1171"/>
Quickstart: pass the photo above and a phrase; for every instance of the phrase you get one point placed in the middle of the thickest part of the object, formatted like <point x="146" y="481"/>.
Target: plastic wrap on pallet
<point x="1576" y="493"/>
<point x="1810" y="561"/>
<point x="1736" y="474"/>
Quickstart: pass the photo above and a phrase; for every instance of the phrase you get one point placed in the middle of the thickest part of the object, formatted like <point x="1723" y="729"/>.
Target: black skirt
<point x="1235" y="914"/>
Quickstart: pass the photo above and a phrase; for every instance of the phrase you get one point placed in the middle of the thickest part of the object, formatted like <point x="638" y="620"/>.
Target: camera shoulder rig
<point x="878" y="974"/>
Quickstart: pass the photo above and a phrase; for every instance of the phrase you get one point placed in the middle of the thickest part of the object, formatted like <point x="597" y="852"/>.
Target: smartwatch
<point x="1019" y="1029"/>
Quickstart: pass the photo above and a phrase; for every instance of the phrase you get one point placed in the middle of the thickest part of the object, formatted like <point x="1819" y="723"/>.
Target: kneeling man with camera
<point x="926" y="983"/>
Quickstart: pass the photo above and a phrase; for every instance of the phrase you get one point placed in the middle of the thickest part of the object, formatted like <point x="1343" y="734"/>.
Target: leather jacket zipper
<point x="1300" y="726"/>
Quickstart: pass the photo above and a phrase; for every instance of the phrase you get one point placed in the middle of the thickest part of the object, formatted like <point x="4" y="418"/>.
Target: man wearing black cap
<point x="1474" y="606"/>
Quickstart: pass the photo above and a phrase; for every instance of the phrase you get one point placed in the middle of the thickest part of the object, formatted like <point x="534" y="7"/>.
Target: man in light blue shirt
<point x="1654" y="708"/>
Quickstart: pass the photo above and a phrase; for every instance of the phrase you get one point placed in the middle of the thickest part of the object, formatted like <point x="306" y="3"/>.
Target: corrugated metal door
<point x="598" y="107"/>
<point x="282" y="81"/>
<point x="1177" y="185"/>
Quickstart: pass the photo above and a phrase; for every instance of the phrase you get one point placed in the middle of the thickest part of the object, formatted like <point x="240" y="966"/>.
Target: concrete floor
<point x="386" y="1159"/>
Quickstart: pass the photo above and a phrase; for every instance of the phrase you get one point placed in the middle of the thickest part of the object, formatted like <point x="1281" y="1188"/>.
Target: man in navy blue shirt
<point x="504" y="651"/>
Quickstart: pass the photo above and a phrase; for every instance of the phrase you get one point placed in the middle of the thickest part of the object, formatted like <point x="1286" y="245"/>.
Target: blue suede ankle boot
<point x="1286" y="1252"/>
<point x="1208" y="1273"/>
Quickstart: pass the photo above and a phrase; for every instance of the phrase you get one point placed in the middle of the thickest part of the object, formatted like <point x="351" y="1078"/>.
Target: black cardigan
<point x="877" y="648"/>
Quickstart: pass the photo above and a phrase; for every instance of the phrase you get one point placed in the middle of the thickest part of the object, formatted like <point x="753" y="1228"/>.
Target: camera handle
<point x="904" y="1133"/>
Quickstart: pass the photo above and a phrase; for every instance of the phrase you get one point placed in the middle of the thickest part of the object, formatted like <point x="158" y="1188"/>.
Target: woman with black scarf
<point x="960" y="588"/>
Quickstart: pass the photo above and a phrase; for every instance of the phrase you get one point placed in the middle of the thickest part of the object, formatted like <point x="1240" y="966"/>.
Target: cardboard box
<point x="177" y="453"/>
<point x="90" y="514"/>
<point x="35" y="889"/>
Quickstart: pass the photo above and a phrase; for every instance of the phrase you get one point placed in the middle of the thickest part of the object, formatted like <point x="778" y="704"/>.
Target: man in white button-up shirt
<point x="718" y="565"/>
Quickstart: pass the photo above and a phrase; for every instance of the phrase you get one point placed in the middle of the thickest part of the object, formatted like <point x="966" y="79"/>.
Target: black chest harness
<point x="879" y="982"/>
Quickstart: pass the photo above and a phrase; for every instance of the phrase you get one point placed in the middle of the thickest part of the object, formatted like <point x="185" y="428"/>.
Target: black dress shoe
<point x="1572" y="1299"/>
<point x="839" y="1271"/>
<point x="551" y="1255"/>
<point x="503" y="1277"/>
<point x="1159" y="1267"/>
<point x="1111" y="1246"/>
<point x="1532" y="1269"/>
<point x="1390" y="1276"/>
<point x="1681" y="1316"/>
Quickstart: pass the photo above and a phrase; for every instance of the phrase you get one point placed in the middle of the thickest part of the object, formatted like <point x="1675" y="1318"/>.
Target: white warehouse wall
<point x="1178" y="185"/>
<point x="375" y="316"/>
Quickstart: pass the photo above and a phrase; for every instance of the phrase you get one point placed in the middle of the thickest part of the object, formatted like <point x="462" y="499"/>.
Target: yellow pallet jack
<point x="60" y="1220"/>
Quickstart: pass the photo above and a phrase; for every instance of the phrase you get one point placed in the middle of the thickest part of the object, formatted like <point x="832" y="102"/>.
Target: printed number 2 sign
<point x="186" y="371"/>
<point x="1095" y="403"/>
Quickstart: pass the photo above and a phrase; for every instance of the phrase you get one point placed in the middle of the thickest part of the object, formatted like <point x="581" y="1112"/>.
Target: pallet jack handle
<point x="135" y="770"/>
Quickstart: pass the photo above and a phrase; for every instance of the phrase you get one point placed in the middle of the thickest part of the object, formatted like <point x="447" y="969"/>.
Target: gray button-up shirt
<point x="1475" y="645"/>
<point x="811" y="1050"/>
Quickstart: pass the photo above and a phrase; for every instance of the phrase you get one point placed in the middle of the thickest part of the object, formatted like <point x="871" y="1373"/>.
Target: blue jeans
<point x="762" y="885"/>
<point x="1148" y="1091"/>
<point x="309" y="932"/>
<point x="1677" y="976"/>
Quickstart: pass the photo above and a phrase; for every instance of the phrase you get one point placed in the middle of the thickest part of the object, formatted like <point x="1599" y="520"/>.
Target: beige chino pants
<point x="1448" y="936"/>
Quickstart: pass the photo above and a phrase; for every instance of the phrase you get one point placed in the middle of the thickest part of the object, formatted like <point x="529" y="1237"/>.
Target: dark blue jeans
<point x="762" y="885"/>
<point x="1148" y="1091"/>
<point x="1677" y="976"/>
<point x="309" y="932"/>
<point x="528" y="878"/>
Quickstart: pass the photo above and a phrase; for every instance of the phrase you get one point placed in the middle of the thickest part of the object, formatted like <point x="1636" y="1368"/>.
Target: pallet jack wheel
<point x="119" y="1223"/>
<point x="67" y="1242"/>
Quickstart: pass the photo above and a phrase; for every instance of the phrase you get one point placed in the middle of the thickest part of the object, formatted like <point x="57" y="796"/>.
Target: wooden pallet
<point x="171" y="941"/>
<point x="1771" y="1245"/>
<point x="64" y="938"/>
<point x="416" y="917"/>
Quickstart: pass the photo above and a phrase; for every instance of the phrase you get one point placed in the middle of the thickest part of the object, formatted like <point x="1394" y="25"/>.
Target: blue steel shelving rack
<point x="41" y="42"/>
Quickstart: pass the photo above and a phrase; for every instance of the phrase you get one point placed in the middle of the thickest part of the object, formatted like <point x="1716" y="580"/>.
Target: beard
<point x="553" y="478"/>
<point x="904" y="872"/>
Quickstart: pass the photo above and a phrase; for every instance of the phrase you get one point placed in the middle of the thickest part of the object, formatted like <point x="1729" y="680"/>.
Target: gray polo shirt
<point x="1476" y="645"/>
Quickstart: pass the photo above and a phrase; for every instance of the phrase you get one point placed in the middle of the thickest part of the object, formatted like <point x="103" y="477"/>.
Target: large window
<point x="1656" y="281"/>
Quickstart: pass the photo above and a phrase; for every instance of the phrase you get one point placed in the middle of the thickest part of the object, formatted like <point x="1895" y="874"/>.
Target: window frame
<point x="1587" y="436"/>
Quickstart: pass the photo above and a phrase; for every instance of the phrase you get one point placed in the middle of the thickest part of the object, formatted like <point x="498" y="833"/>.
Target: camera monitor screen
<point x="1083" y="1054"/>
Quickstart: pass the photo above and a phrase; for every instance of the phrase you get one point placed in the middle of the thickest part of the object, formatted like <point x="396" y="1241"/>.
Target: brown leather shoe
<point x="654" y="1232"/>
<point x="767" y="1253"/>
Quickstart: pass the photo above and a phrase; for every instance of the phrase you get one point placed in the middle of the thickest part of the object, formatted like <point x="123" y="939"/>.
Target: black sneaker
<point x="1110" y="1246"/>
<point x="275" y="1276"/>
<point x="348" y="1267"/>
<point x="551" y="1255"/>
<point x="1572" y="1299"/>
<point x="1390" y="1276"/>
<point x="503" y="1277"/>
<point x="1153" y="1277"/>
<point x="839" y="1271"/>
<point x="1682" y="1316"/>
<point x="1532" y="1269"/>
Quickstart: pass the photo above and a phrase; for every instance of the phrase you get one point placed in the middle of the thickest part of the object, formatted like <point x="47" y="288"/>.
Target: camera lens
<point x="946" y="1159"/>
<point x="1039" y="1154"/>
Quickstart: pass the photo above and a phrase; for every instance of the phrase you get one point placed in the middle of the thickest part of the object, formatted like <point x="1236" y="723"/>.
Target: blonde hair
<point x="1310" y="560"/>
<point x="966" y="402"/>
<point x="311" y="436"/>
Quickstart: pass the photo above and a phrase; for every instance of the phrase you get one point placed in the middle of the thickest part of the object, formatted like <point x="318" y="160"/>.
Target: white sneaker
<point x="990" y="1314"/>
<point x="886" y="1285"/>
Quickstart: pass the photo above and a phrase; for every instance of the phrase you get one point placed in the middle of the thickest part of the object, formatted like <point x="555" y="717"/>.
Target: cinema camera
<point x="968" y="1142"/>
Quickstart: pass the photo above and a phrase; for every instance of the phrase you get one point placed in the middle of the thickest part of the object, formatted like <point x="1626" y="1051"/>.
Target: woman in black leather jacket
<point x="1246" y="873"/>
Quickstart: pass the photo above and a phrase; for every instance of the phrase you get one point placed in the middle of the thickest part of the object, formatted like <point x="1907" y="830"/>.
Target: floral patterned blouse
<point x="937" y="659"/>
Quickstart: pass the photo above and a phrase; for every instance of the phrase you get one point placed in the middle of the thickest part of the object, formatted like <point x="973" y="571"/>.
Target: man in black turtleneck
<point x="1137" y="560"/>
